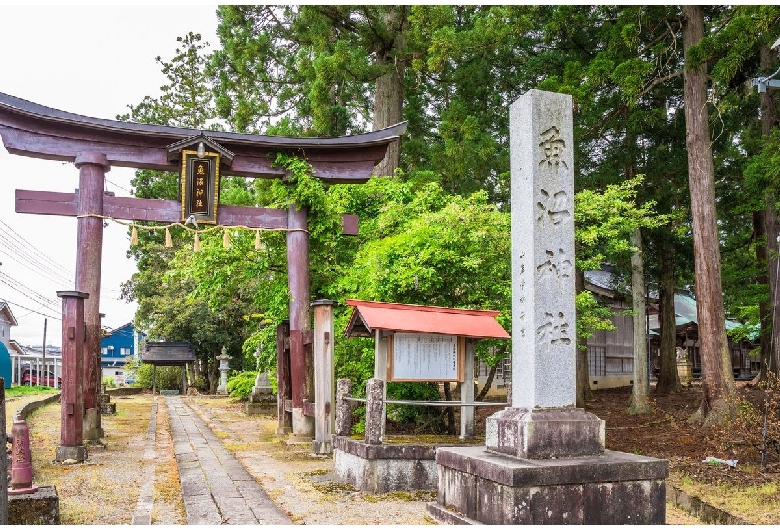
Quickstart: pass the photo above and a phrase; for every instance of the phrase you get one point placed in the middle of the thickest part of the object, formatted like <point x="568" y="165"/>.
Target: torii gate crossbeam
<point x="95" y="145"/>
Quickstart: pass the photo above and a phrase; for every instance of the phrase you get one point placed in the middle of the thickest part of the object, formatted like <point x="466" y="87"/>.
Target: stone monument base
<point x="71" y="452"/>
<point x="545" y="433"/>
<point x="39" y="508"/>
<point x="480" y="486"/>
<point x="384" y="467"/>
<point x="92" y="429"/>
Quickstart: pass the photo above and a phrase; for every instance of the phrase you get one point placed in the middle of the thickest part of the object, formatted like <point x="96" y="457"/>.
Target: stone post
<point x="467" y="394"/>
<point x="344" y="408"/>
<point x="375" y="392"/>
<point x="223" y="371"/>
<point x="72" y="399"/>
<point x="543" y="421"/>
<point x="89" y="242"/>
<point x="323" y="376"/>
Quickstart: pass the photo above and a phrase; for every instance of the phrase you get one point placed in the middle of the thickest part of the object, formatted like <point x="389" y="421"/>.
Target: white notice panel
<point x="425" y="357"/>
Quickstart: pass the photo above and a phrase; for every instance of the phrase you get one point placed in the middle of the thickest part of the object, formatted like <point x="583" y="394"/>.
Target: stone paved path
<point x="215" y="486"/>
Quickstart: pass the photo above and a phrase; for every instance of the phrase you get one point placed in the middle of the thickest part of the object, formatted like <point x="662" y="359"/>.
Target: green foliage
<point x="605" y="221"/>
<point x="591" y="315"/>
<point x="110" y="382"/>
<point x="168" y="377"/>
<point x="415" y="414"/>
<point x="21" y="391"/>
<point x="240" y="384"/>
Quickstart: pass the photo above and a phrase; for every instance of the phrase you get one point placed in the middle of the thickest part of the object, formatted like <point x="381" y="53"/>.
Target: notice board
<point x="425" y="357"/>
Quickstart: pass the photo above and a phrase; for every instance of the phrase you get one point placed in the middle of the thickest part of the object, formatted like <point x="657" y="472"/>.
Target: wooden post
<point x="284" y="387"/>
<point x="323" y="376"/>
<point x="89" y="242"/>
<point x="467" y="394"/>
<point x="380" y="368"/>
<point x="72" y="399"/>
<point x="301" y="365"/>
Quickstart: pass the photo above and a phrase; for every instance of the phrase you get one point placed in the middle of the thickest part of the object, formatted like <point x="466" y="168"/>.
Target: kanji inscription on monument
<point x="543" y="356"/>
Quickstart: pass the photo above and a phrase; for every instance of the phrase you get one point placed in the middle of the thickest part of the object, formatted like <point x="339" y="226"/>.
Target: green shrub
<point x="239" y="386"/>
<point x="109" y="382"/>
<point x="168" y="377"/>
<point x="414" y="414"/>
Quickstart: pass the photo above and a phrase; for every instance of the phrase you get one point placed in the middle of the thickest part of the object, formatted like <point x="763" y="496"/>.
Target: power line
<point x="37" y="255"/>
<point x="30" y="310"/>
<point x="26" y="291"/>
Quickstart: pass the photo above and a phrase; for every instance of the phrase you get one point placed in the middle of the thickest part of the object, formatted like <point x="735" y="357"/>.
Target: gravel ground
<point x="105" y="489"/>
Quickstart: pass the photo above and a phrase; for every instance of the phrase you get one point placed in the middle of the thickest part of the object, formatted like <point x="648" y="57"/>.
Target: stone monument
<point x="545" y="460"/>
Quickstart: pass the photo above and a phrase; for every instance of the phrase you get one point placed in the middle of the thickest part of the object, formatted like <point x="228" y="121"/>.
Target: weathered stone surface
<point x="546" y="433"/>
<point x="614" y="488"/>
<point x="39" y="508"/>
<point x="375" y="394"/>
<point x="542" y="227"/>
<point x="76" y="453"/>
<point x="343" y="408"/>
<point x="385" y="467"/>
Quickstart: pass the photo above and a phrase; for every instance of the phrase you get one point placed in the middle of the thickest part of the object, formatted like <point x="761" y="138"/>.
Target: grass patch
<point x="21" y="391"/>
<point x="758" y="504"/>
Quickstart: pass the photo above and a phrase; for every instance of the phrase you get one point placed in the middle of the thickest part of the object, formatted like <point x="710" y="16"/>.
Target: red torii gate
<point x="95" y="145"/>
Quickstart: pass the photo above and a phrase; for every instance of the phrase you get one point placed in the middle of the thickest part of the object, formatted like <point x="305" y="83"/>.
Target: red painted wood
<point x="131" y="208"/>
<point x="72" y="398"/>
<point x="299" y="286"/>
<point x="34" y="130"/>
<point x="89" y="242"/>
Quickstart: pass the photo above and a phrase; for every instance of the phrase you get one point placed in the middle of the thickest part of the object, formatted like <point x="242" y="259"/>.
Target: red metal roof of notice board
<point x="369" y="316"/>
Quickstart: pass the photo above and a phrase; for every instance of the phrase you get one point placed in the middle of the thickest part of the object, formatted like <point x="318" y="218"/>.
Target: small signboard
<point x="425" y="357"/>
<point x="200" y="186"/>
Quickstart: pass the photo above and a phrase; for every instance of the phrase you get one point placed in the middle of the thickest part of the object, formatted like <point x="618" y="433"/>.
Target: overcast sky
<point x="90" y="60"/>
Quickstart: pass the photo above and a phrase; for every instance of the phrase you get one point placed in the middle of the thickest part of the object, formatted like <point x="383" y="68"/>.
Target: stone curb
<point x="701" y="510"/>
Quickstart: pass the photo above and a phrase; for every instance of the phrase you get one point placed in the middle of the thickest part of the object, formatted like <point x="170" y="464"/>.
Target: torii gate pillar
<point x="301" y="363"/>
<point x="92" y="168"/>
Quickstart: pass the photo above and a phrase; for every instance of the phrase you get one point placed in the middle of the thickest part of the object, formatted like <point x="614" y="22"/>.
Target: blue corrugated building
<point x="116" y="347"/>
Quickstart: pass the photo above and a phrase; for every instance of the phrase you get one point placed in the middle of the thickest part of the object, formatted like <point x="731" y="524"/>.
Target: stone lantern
<point x="223" y="370"/>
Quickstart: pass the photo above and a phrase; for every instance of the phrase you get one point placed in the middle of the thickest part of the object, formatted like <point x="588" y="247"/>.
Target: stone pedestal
<point x="39" y="508"/>
<point x="479" y="486"/>
<point x="383" y="468"/>
<point x="545" y="433"/>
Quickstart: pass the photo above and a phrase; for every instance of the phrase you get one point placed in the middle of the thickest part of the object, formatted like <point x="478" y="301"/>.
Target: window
<point x="124" y="352"/>
<point x="104" y="351"/>
<point x="596" y="356"/>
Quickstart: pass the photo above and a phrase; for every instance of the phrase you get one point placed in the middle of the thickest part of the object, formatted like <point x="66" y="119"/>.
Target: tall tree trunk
<point x="668" y="377"/>
<point x="451" y="428"/>
<point x="640" y="401"/>
<point x="717" y="376"/>
<point x="764" y="307"/>
<point x="584" y="393"/>
<point x="389" y="90"/>
<point x="770" y="335"/>
<point x="488" y="383"/>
